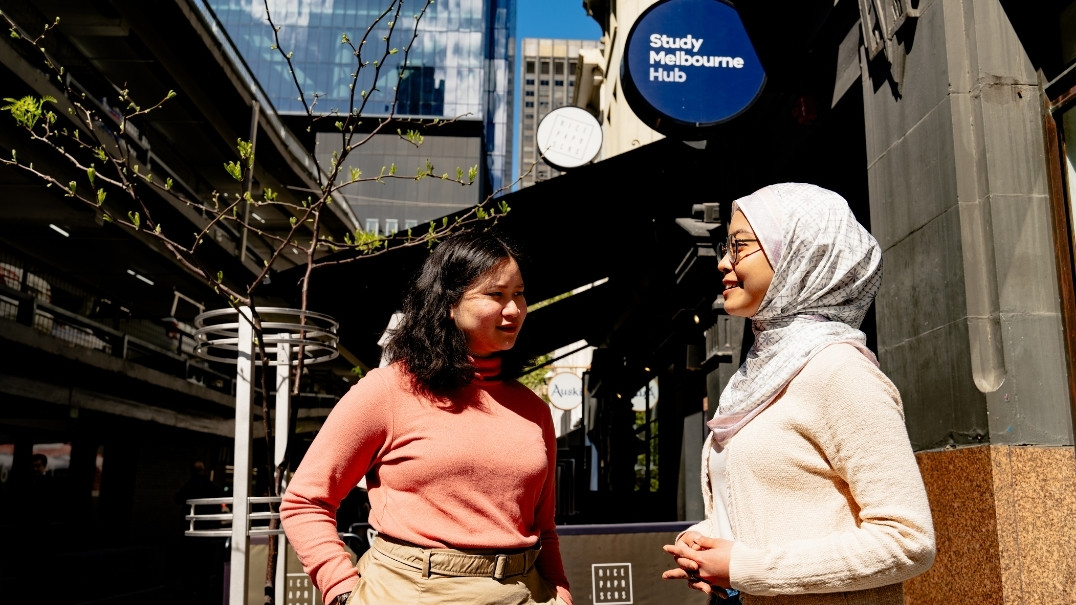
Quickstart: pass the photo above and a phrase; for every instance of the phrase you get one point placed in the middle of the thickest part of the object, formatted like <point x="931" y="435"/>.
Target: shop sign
<point x="565" y="391"/>
<point x="569" y="137"/>
<point x="690" y="65"/>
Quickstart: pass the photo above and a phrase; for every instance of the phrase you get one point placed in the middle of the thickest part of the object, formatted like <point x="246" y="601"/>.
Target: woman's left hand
<point x="702" y="561"/>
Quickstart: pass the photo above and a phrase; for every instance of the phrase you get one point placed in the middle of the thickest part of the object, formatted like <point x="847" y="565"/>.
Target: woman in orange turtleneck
<point x="459" y="461"/>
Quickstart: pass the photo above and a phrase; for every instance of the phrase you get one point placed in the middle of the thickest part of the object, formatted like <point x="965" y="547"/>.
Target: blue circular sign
<point x="689" y="65"/>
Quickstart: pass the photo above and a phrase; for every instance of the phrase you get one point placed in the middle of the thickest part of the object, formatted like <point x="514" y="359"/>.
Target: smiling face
<point x="746" y="282"/>
<point x="492" y="310"/>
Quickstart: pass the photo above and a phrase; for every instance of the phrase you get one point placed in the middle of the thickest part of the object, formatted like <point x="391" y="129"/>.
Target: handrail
<point x="94" y="335"/>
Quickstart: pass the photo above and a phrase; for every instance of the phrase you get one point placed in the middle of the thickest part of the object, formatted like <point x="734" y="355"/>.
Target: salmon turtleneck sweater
<point x="475" y="470"/>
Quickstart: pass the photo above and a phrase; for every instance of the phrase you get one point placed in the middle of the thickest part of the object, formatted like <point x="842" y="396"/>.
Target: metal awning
<point x="611" y="222"/>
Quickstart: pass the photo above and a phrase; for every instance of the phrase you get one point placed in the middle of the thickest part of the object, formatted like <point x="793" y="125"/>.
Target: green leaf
<point x="71" y="188"/>
<point x="168" y="184"/>
<point x="27" y="111"/>
<point x="246" y="151"/>
<point x="100" y="196"/>
<point x="472" y="174"/>
<point x="90" y="173"/>
<point x="234" y="169"/>
<point x="135" y="219"/>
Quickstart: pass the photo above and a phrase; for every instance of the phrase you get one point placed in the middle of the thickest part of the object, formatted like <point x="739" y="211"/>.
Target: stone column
<point x="969" y="323"/>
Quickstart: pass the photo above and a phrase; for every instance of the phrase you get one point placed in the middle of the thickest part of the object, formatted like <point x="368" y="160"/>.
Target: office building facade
<point x="457" y="73"/>
<point x="548" y="81"/>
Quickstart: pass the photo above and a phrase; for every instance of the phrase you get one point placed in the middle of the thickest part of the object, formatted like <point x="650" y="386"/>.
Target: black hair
<point x="427" y="339"/>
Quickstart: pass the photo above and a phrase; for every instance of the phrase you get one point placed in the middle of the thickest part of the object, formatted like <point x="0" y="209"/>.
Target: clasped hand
<point x="702" y="561"/>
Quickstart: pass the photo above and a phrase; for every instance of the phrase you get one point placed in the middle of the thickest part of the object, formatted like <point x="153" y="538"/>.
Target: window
<point x="528" y="93"/>
<point x="1060" y="129"/>
<point x="391" y="226"/>
<point x="529" y="104"/>
<point x="558" y="82"/>
<point x="530" y="69"/>
<point x="410" y="223"/>
<point x="372" y="225"/>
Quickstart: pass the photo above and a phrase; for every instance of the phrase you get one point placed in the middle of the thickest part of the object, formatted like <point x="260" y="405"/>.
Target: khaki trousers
<point x="393" y="572"/>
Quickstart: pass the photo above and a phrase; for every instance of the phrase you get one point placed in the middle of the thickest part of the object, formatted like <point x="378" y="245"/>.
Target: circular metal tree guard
<point x="284" y="338"/>
<point x="217" y="334"/>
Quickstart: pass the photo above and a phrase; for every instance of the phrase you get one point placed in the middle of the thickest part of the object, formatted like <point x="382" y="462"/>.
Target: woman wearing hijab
<point x="812" y="491"/>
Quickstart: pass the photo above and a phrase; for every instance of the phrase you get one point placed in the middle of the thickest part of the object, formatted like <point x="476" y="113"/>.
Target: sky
<point x="548" y="19"/>
<point x="555" y="19"/>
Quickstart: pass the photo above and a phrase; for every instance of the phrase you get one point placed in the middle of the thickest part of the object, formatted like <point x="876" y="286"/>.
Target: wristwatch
<point x="341" y="599"/>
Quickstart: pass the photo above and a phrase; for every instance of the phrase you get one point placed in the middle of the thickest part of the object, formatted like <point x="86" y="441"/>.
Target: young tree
<point x="101" y="172"/>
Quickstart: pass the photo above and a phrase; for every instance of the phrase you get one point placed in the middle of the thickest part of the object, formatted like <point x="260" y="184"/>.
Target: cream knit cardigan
<point x="825" y="497"/>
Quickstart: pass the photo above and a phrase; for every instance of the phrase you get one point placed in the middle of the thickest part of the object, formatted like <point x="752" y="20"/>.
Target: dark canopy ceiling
<point x="612" y="223"/>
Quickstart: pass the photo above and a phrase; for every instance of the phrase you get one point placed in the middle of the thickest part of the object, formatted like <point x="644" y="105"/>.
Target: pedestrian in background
<point x="812" y="491"/>
<point x="459" y="458"/>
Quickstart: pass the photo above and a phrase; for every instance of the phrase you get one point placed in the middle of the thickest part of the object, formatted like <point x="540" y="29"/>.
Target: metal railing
<point x="203" y="524"/>
<point x="80" y="331"/>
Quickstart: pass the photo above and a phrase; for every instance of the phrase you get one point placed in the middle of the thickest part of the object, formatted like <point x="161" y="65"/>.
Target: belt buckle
<point x="500" y="563"/>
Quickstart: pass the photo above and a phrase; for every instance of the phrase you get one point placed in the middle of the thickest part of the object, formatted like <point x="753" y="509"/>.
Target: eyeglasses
<point x="733" y="246"/>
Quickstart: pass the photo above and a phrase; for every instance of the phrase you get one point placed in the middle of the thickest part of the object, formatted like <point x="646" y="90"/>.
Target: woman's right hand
<point x="689" y="539"/>
<point x="702" y="561"/>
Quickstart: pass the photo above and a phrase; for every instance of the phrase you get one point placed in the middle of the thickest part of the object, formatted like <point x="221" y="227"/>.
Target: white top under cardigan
<point x="824" y="494"/>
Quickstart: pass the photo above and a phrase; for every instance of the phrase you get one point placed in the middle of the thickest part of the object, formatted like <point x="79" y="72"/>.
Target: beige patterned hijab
<point x="827" y="269"/>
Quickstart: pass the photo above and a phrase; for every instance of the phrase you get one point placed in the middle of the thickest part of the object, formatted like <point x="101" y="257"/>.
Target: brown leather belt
<point x="460" y="563"/>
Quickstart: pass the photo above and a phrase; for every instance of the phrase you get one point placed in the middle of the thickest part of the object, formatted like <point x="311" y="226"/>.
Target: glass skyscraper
<point x="458" y="68"/>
